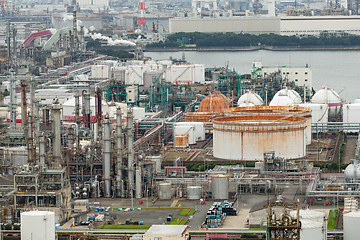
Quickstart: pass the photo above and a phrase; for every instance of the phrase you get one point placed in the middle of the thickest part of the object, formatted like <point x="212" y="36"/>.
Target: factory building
<point x="278" y="25"/>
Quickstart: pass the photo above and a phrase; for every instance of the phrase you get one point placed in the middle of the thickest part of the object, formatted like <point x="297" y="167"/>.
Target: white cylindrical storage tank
<point x="351" y="225"/>
<point x="250" y="97"/>
<point x="193" y="192"/>
<point x="199" y="128"/>
<point x="319" y="112"/>
<point x="311" y="230"/>
<point x="165" y="191"/>
<point x="351" y="114"/>
<point x="190" y="130"/>
<point x="39" y="225"/>
<point x="248" y="137"/>
<point x="275" y="111"/>
<point x="220" y="187"/>
<point x="309" y="214"/>
<point x="68" y="113"/>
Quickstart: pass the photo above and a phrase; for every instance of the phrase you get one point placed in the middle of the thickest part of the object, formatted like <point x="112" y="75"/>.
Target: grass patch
<point x="332" y="219"/>
<point x="121" y="226"/>
<point x="189" y="211"/>
<point x="178" y="221"/>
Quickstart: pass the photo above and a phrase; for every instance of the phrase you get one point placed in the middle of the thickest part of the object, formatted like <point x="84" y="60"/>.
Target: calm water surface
<point x="339" y="70"/>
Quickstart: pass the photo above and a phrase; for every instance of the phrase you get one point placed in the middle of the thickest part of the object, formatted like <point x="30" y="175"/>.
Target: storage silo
<point x="199" y="128"/>
<point x="319" y="112"/>
<point x="248" y="137"/>
<point x="201" y="116"/>
<point x="351" y="225"/>
<point x="351" y="114"/>
<point x="39" y="225"/>
<point x="193" y="192"/>
<point x="165" y="191"/>
<point x="312" y="230"/>
<point x="220" y="187"/>
<point x="183" y="129"/>
<point x="215" y="102"/>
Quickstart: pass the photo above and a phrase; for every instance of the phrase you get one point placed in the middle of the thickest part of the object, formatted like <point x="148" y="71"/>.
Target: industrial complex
<point x="99" y="142"/>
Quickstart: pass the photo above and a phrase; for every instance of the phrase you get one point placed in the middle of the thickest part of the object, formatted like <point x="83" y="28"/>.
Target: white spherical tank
<point x="330" y="97"/>
<point x="193" y="192"/>
<point x="351" y="225"/>
<point x="309" y="214"/>
<point x="352" y="172"/>
<point x="165" y="191"/>
<point x="220" y="187"/>
<point x="312" y="230"/>
<point x="291" y="94"/>
<point x="250" y="97"/>
<point x="248" y="137"/>
<point x="39" y="225"/>
<point x="282" y="100"/>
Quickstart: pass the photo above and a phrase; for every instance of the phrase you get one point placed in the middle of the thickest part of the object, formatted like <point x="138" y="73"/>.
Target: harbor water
<point x="336" y="69"/>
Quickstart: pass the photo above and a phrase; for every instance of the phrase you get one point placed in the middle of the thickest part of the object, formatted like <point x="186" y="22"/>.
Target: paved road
<point x="349" y="152"/>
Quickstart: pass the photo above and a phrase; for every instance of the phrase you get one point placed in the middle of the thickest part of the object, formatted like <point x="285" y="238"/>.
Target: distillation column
<point x="56" y="134"/>
<point x="87" y="110"/>
<point x="77" y="118"/>
<point x="42" y="149"/>
<point x="138" y="181"/>
<point x="12" y="100"/>
<point x="107" y="157"/>
<point x="130" y="147"/>
<point x="119" y="148"/>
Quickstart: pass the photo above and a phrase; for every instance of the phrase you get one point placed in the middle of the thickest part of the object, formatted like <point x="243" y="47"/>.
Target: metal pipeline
<point x="107" y="157"/>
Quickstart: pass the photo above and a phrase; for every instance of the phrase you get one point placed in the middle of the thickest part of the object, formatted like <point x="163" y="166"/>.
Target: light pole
<point x="147" y="198"/>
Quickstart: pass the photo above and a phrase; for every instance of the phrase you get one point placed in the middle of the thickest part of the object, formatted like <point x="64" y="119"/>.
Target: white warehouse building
<point x="284" y="25"/>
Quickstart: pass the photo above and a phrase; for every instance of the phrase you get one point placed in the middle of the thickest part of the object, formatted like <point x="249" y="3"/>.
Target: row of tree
<point x="244" y="40"/>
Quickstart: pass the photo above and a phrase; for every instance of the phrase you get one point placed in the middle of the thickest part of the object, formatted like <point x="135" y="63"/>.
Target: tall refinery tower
<point x="142" y="19"/>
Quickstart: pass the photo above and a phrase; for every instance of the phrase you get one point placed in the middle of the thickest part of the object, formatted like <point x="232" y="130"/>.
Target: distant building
<point x="284" y="25"/>
<point x="167" y="232"/>
<point x="300" y="75"/>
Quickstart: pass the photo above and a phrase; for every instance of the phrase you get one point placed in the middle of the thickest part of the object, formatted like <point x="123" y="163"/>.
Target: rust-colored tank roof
<point x="215" y="102"/>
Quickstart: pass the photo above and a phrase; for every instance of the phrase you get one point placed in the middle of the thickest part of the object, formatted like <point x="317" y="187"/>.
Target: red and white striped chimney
<point x="142" y="19"/>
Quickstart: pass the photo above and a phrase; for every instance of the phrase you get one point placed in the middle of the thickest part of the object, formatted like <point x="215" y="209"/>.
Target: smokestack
<point x="142" y="19"/>
<point x="138" y="182"/>
<point x="107" y="156"/>
<point x="98" y="103"/>
<point x="130" y="147"/>
<point x="119" y="146"/>
<point x="86" y="104"/>
<point x="42" y="149"/>
<point x="55" y="112"/>
<point x="8" y="42"/>
<point x="12" y="100"/>
<point x="24" y="107"/>
<point x="75" y="31"/>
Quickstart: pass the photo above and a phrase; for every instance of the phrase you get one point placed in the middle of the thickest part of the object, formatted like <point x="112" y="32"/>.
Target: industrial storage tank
<point x="351" y="114"/>
<point x="291" y="93"/>
<point x="40" y="225"/>
<point x="199" y="128"/>
<point x="215" y="102"/>
<point x="352" y="172"/>
<point x="282" y="100"/>
<point x="319" y="112"/>
<point x="330" y="97"/>
<point x="312" y="230"/>
<point x="250" y="97"/>
<point x="351" y="223"/>
<point x="165" y="191"/>
<point x="309" y="214"/>
<point x="248" y="137"/>
<point x="193" y="192"/>
<point x="220" y="187"/>
<point x="182" y="130"/>
<point x="68" y="113"/>
<point x="275" y="111"/>
<point x="181" y="141"/>
<point x="201" y="116"/>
